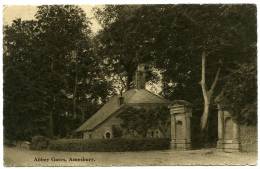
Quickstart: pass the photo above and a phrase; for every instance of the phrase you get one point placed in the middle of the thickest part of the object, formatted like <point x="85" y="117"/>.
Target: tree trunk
<point x="51" y="125"/>
<point x="75" y="88"/>
<point x="51" y="133"/>
<point x="75" y="97"/>
<point x="207" y="94"/>
<point x="205" y="115"/>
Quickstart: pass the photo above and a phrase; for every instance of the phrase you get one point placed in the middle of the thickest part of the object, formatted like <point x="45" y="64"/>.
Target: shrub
<point x="9" y="143"/>
<point x="39" y="143"/>
<point x="102" y="145"/>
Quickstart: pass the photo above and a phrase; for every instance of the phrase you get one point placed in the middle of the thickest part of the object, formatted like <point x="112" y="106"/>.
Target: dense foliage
<point x="240" y="93"/>
<point x="102" y="145"/>
<point x="140" y="119"/>
<point x="52" y="79"/>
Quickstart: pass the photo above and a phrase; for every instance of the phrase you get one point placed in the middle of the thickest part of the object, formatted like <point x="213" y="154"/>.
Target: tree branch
<point x="215" y="81"/>
<point x="219" y="97"/>
<point x="203" y="79"/>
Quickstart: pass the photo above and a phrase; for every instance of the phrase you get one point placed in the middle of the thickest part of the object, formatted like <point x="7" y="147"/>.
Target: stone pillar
<point x="180" y="125"/>
<point x="228" y="132"/>
<point x="220" y="128"/>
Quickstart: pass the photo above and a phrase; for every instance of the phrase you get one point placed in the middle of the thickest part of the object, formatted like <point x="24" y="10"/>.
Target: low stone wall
<point x="248" y="138"/>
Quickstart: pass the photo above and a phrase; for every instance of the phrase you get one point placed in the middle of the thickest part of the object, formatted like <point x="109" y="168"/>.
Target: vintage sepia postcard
<point x="129" y="85"/>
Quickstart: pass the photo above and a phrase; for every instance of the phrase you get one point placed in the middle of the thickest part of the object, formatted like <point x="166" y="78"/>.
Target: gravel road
<point x="23" y="157"/>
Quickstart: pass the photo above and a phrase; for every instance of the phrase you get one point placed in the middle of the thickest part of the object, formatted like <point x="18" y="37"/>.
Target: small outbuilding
<point x="106" y="124"/>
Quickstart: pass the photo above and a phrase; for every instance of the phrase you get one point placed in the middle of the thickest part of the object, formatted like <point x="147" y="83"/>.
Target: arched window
<point x="108" y="135"/>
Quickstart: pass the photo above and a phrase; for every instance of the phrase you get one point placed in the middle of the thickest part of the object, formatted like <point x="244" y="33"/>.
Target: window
<point x="108" y="135"/>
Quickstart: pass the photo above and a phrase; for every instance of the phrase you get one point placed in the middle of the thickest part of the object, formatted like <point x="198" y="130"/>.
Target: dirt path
<point x="22" y="157"/>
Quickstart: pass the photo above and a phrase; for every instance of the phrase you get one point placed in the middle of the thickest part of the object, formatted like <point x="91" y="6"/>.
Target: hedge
<point x="39" y="143"/>
<point x="102" y="145"/>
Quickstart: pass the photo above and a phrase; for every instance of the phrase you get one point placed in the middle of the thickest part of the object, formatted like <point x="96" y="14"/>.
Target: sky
<point x="27" y="12"/>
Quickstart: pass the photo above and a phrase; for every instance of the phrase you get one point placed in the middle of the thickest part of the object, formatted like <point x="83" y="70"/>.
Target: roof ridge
<point x="157" y="95"/>
<point x="151" y="92"/>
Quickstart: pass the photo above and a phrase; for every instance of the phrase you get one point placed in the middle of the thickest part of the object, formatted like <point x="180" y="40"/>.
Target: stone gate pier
<point x="181" y="112"/>
<point x="228" y="132"/>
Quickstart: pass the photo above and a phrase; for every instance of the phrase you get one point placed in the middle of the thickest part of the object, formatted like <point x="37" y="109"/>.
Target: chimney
<point x="140" y="77"/>
<point x="120" y="100"/>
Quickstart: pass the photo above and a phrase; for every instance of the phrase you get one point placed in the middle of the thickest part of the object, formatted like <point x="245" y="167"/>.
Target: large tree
<point x="53" y="57"/>
<point x="223" y="35"/>
<point x="25" y="112"/>
<point x="123" y="42"/>
<point x="194" y="46"/>
<point x="65" y="38"/>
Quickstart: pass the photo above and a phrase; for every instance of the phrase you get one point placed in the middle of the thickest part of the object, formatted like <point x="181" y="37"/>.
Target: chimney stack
<point x="140" y="77"/>
<point x="120" y="100"/>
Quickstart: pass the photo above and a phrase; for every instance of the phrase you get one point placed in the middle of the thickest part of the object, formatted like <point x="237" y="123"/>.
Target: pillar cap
<point x="180" y="103"/>
<point x="223" y="107"/>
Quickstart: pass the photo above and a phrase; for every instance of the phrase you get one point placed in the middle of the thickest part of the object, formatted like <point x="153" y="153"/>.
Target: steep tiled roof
<point x="133" y="96"/>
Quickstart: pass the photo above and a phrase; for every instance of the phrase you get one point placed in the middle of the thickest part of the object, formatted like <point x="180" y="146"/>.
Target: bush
<point x="102" y="145"/>
<point x="39" y="143"/>
<point x="9" y="143"/>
